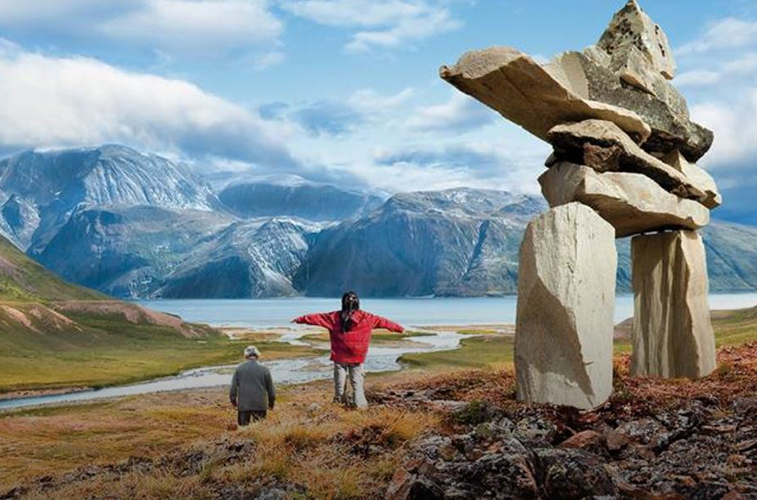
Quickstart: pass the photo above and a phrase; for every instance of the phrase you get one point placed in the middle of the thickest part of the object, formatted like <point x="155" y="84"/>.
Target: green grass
<point x="475" y="352"/>
<point x="100" y="351"/>
<point x="735" y="327"/>
<point x="24" y="280"/>
<point x="731" y="328"/>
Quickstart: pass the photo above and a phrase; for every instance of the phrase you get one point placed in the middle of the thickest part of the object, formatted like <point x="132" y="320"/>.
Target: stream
<point x="284" y="371"/>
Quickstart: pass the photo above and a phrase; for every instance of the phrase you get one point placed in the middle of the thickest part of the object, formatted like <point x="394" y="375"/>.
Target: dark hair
<point x="350" y="304"/>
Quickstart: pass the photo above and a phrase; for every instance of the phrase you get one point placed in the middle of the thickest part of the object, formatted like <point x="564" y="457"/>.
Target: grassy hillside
<point x="56" y="335"/>
<point x="24" y="280"/>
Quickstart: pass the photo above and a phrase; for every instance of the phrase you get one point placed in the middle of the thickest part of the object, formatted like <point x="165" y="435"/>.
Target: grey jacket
<point x="252" y="387"/>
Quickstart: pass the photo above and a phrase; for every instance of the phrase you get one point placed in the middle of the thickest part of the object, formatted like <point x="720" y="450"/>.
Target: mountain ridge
<point x="282" y="237"/>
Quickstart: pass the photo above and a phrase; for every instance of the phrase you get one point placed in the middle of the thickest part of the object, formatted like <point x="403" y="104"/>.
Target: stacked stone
<point x="623" y="165"/>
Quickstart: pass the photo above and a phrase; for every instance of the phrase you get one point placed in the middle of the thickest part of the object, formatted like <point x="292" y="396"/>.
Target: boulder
<point x="672" y="333"/>
<point x="632" y="203"/>
<point x="628" y="83"/>
<point x="697" y="176"/>
<point x="520" y="89"/>
<point x="631" y="28"/>
<point x="566" y="302"/>
<point x="603" y="146"/>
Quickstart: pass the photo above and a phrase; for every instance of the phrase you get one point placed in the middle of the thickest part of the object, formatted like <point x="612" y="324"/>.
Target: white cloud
<point x="196" y="27"/>
<point x="386" y="24"/>
<point x="267" y="60"/>
<point x="728" y="33"/>
<point x="50" y="101"/>
<point x="734" y="123"/>
<point x="370" y="101"/>
<point x="459" y="114"/>
<point x="743" y="67"/>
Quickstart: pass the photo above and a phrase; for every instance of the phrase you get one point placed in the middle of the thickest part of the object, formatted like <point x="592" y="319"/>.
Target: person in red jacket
<point x="350" y="333"/>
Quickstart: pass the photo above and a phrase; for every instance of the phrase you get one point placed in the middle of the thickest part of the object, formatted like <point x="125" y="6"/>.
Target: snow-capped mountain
<point x="453" y="242"/>
<point x="136" y="225"/>
<point x="45" y="187"/>
<point x="296" y="197"/>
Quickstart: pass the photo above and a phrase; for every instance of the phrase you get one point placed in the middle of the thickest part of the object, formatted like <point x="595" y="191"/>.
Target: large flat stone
<point x="697" y="176"/>
<point x="520" y="89"/>
<point x="605" y="147"/>
<point x="632" y="29"/>
<point x="672" y="333"/>
<point x="566" y="303"/>
<point x="632" y="203"/>
<point x="601" y="78"/>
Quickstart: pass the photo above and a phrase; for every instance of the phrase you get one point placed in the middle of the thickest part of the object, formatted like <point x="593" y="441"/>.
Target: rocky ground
<point x="653" y="439"/>
<point x="458" y="435"/>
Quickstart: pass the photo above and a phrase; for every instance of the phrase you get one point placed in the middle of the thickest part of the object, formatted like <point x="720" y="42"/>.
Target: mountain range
<point x="138" y="225"/>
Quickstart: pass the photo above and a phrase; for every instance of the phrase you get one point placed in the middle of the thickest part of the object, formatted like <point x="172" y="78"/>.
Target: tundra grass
<point x="107" y="350"/>
<point x="491" y="350"/>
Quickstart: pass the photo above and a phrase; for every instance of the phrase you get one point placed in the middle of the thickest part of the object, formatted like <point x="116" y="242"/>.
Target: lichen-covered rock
<point x="566" y="303"/>
<point x="631" y="28"/>
<point x="522" y="91"/>
<point x="661" y="106"/>
<point x="632" y="203"/>
<point x="672" y="332"/>
<point x="605" y="147"/>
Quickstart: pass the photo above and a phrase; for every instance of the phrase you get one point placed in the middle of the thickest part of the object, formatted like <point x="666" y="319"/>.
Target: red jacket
<point x="350" y="346"/>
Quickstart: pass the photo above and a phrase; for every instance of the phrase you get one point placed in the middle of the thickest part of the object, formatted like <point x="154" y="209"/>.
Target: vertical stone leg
<point x="672" y="332"/>
<point x="566" y="306"/>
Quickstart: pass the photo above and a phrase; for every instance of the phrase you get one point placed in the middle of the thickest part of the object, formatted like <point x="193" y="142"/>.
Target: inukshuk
<point x="623" y="165"/>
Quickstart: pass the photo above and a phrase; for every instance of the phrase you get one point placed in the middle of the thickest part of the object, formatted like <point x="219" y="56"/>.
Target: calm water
<point x="278" y="312"/>
<point x="414" y="312"/>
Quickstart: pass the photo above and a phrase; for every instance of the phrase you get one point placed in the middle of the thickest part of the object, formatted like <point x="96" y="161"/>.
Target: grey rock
<point x="698" y="177"/>
<point x="632" y="203"/>
<point x="672" y="332"/>
<point x="632" y="29"/>
<point x="524" y="92"/>
<point x="664" y="110"/>
<point x="605" y="147"/>
<point x="564" y="326"/>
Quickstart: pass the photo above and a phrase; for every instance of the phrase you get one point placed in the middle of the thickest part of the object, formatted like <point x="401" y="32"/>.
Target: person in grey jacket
<point x="252" y="392"/>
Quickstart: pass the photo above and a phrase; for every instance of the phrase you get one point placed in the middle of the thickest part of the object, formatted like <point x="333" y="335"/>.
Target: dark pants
<point x="243" y="417"/>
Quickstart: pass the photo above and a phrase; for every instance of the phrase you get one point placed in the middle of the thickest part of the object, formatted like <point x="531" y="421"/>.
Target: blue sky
<point x="341" y="90"/>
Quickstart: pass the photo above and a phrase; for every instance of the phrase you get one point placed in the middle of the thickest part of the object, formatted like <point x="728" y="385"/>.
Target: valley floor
<point x="448" y="425"/>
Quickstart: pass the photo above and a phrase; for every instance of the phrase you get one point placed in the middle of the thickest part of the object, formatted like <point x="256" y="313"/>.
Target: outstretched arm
<point x="380" y="322"/>
<point x="318" y="319"/>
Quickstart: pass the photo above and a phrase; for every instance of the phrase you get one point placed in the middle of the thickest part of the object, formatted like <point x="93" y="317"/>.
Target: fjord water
<point x="419" y="312"/>
<point x="412" y="312"/>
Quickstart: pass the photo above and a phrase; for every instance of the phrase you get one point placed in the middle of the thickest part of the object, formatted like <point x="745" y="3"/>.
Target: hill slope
<point x="57" y="335"/>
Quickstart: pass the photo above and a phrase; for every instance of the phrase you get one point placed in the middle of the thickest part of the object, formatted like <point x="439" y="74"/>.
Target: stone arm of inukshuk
<point x="624" y="146"/>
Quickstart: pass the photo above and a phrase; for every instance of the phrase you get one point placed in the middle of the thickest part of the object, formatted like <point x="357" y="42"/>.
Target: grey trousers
<point x="356" y="374"/>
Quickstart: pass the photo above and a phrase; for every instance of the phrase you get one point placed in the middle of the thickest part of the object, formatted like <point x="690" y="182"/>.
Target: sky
<point x="342" y="91"/>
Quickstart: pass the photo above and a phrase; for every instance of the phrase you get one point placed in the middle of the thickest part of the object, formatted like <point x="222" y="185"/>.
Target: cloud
<point x="728" y="33"/>
<point x="370" y="101"/>
<point x="75" y="101"/>
<point x="459" y="114"/>
<point x="476" y="163"/>
<point x="328" y="117"/>
<point x="387" y="24"/>
<point x="207" y="26"/>
<point x="337" y="118"/>
<point x="743" y="67"/>
<point x="267" y="60"/>
<point x="195" y="27"/>
<point x="734" y="123"/>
